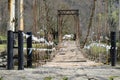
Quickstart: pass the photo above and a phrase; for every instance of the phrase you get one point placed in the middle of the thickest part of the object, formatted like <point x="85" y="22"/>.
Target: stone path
<point x="58" y="73"/>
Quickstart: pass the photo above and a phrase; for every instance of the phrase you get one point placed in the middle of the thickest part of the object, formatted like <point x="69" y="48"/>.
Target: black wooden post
<point x="10" y="50"/>
<point x="113" y="48"/>
<point x="29" y="50"/>
<point x="20" y="51"/>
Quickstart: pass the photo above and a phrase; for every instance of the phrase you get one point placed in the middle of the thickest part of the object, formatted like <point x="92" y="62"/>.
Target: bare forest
<point x="42" y="14"/>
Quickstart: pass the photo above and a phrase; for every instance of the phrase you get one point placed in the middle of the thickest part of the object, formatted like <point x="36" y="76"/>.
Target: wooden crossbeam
<point x="75" y="13"/>
<point x="68" y="12"/>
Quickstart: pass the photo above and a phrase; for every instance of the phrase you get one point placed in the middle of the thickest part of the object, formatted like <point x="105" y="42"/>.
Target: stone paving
<point x="58" y="73"/>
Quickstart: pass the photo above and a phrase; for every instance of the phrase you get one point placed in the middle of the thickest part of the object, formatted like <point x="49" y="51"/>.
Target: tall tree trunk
<point x="11" y="7"/>
<point x="119" y="19"/>
<point x="90" y="22"/>
<point x="35" y="17"/>
<point x="21" y="27"/>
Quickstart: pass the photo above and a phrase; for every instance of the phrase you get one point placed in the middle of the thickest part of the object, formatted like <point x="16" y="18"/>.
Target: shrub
<point x="98" y="53"/>
<point x="96" y="50"/>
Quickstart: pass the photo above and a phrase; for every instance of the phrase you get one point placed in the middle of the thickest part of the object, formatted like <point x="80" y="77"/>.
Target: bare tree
<point x="90" y="22"/>
<point x="3" y="16"/>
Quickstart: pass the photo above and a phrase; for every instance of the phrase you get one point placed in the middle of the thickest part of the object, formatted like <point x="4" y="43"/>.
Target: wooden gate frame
<point x="73" y="12"/>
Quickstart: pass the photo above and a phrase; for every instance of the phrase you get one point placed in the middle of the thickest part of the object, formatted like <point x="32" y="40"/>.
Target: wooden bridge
<point x="69" y="55"/>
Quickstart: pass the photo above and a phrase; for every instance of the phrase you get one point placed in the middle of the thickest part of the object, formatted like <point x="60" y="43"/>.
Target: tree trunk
<point x="90" y="22"/>
<point x="11" y="7"/>
<point x="35" y="17"/>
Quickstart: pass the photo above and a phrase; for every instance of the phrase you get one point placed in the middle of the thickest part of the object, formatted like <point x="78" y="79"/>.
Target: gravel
<point x="58" y="73"/>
